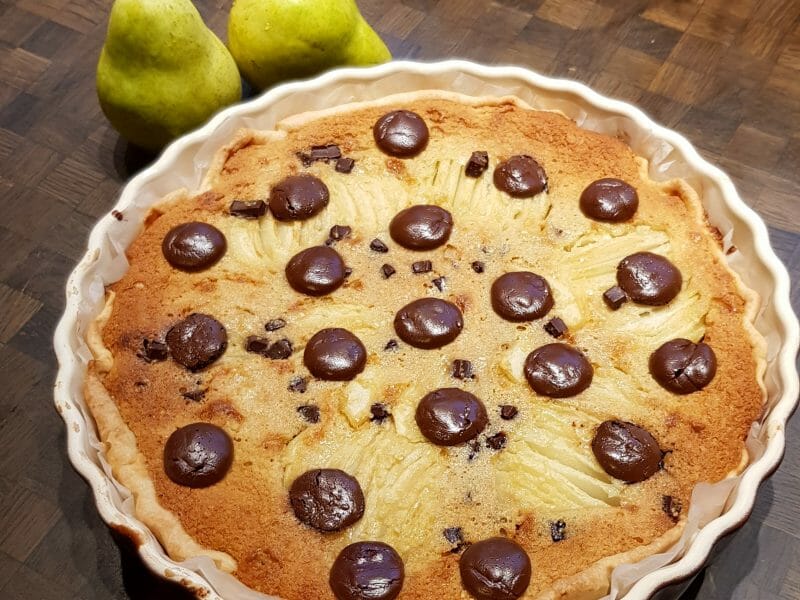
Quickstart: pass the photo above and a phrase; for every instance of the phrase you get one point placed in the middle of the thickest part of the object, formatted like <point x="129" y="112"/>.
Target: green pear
<point x="162" y="72"/>
<point x="276" y="40"/>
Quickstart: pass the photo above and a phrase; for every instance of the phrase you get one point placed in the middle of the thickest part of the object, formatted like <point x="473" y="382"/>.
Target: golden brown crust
<point x="414" y="490"/>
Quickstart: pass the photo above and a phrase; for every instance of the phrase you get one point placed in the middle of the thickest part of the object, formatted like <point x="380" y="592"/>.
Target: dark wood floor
<point x="724" y="72"/>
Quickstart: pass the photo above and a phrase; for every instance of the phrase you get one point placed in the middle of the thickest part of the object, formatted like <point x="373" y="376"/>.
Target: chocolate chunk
<point x="615" y="297"/>
<point x="298" y="197"/>
<point x="508" y="412"/>
<point x="421" y="266"/>
<point x="558" y="370"/>
<point x="345" y="165"/>
<point x="275" y="324"/>
<point x="421" y="227"/>
<point x="439" y="283"/>
<point x="327" y="499"/>
<point x="379" y="412"/>
<point x="340" y="232"/>
<point x="198" y="455"/>
<point x="649" y="278"/>
<point x="556" y="327"/>
<point x="462" y="369"/>
<point x="391" y="345"/>
<point x="117" y="215"/>
<point x="316" y="271"/>
<point x="193" y="246"/>
<point x="347" y="272"/>
<point x="450" y="416"/>
<point x="610" y="200"/>
<point x="428" y="323"/>
<point x="683" y="367"/>
<point x="280" y="350"/>
<point x="335" y="355"/>
<point x="474" y="448"/>
<point x="521" y="296"/>
<point x="304" y="158"/>
<point x="194" y="395"/>
<point x="248" y="209"/>
<point x="495" y="569"/>
<point x="378" y="246"/>
<point x="497" y="441"/>
<point x="478" y="266"/>
<point x="256" y="344"/>
<point x="520" y="177"/>
<point x="558" y="530"/>
<point x="401" y="133"/>
<point x="626" y="451"/>
<point x="478" y="162"/>
<point x="387" y="270"/>
<point x="309" y="412"/>
<point x="298" y="384"/>
<point x="153" y="350"/>
<point x="197" y="341"/>
<point x="367" y="571"/>
<point x="672" y="507"/>
<point x="454" y="535"/>
<point x="326" y="152"/>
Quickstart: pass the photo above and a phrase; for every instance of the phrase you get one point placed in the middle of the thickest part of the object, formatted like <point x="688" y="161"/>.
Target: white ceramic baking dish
<point x="724" y="507"/>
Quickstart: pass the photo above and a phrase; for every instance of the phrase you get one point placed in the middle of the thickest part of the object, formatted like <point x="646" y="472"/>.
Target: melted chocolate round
<point x="520" y="177"/>
<point x="450" y="416"/>
<point x="327" y="499"/>
<point x="683" y="367"/>
<point x="610" y="200"/>
<point x="626" y="451"/>
<point x="495" y="569"/>
<point x="335" y="355"/>
<point x="558" y="371"/>
<point x="198" y="455"/>
<point x="367" y="571"/>
<point x="197" y="341"/>
<point x="193" y="246"/>
<point x="649" y="278"/>
<point x="316" y="271"/>
<point x="401" y="133"/>
<point x="428" y="323"/>
<point x="421" y="227"/>
<point x="298" y="197"/>
<point x="521" y="296"/>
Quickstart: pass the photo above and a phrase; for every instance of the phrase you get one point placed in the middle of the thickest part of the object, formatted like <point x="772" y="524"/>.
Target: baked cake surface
<point x="580" y="361"/>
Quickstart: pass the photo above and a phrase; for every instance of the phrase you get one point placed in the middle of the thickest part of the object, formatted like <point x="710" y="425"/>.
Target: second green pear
<point x="277" y="40"/>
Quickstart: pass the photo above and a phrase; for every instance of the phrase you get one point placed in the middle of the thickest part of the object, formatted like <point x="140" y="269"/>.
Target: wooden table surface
<point x="726" y="73"/>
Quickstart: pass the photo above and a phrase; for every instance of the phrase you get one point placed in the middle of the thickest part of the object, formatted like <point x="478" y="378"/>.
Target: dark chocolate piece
<point x="197" y="341"/>
<point x="615" y="297"/>
<point x="309" y="412"/>
<point x="379" y="412"/>
<point x="508" y="412"/>
<point x="316" y="271"/>
<point x="153" y="350"/>
<point x="649" y="278"/>
<point x="193" y="246"/>
<point x="558" y="370"/>
<point x="439" y="283"/>
<point x="450" y="416"/>
<point x="401" y="133"/>
<point x="520" y="177"/>
<point x="298" y="384"/>
<point x="462" y="369"/>
<point x="495" y="569"/>
<point x="497" y="441"/>
<point x="478" y="266"/>
<point x="626" y="451"/>
<point x="609" y="199"/>
<point x="421" y="227"/>
<point x="521" y="296"/>
<point x="248" y="209"/>
<point x="556" y="327"/>
<point x="198" y="455"/>
<point x="387" y="270"/>
<point x="340" y="232"/>
<point x="335" y="354"/>
<point x="275" y="324"/>
<point x="478" y="163"/>
<point x="391" y="345"/>
<point x="421" y="266"/>
<point x="325" y="152"/>
<point x="298" y="197"/>
<point x="377" y="245"/>
<point x="367" y="571"/>
<point x="683" y="367"/>
<point x="428" y="323"/>
<point x="345" y="165"/>
<point x="327" y="499"/>
<point x="672" y="507"/>
<point x="558" y="530"/>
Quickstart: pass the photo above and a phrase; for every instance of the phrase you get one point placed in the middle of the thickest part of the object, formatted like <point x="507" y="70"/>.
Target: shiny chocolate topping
<point x="428" y="323"/>
<point x="197" y="341"/>
<point x="193" y="246"/>
<point x="649" y="278"/>
<point x="367" y="571"/>
<point x="298" y="197"/>
<point x="401" y="133"/>
<point x="521" y="296"/>
<point x="520" y="177"/>
<point x="558" y="370"/>
<point x="335" y="354"/>
<point x="198" y="455"/>
<point x="626" y="451"/>
<point x="327" y="499"/>
<point x="316" y="271"/>
<point x="421" y="227"/>
<point x="495" y="569"/>
<point x="610" y="200"/>
<point x="450" y="416"/>
<point x="683" y="367"/>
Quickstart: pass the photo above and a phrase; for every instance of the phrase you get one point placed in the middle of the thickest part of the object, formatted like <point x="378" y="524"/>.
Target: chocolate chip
<point x="497" y="441"/>
<point x="401" y="133"/>
<point x="327" y="499"/>
<point x="672" y="507"/>
<point x="316" y="271"/>
<point x="248" y="209"/>
<point x="626" y="451"/>
<point x="478" y="162"/>
<point x="194" y="395"/>
<point x="117" y="215"/>
<point x="309" y="412"/>
<point x="367" y="571"/>
<point x="558" y="530"/>
<point x="556" y="327"/>
<point x="610" y="200"/>
<point x="558" y="370"/>
<point x="197" y="341"/>
<point x="347" y="272"/>
<point x="198" y="455"/>
<point x="428" y="323"/>
<point x="345" y="165"/>
<point x="335" y="355"/>
<point x="495" y="569"/>
<point x="421" y="266"/>
<point x="379" y="412"/>
<point x="298" y="197"/>
<point x="193" y="246"/>
<point x="439" y="283"/>
<point x="615" y="297"/>
<point x="340" y="232"/>
<point x="378" y="246"/>
<point x="388" y="270"/>
<point x="508" y="412"/>
<point x="462" y="369"/>
<point x="450" y="416"/>
<point x="280" y="350"/>
<point x="649" y="278"/>
<point x="454" y="535"/>
<point x="391" y="345"/>
<point x="683" y="367"/>
<point x="256" y="344"/>
<point x="521" y="296"/>
<point x="153" y="350"/>
<point x="275" y="324"/>
<point x="326" y="152"/>
<point x="421" y="227"/>
<point x="478" y="266"/>
<point x="520" y="177"/>
<point x="298" y="385"/>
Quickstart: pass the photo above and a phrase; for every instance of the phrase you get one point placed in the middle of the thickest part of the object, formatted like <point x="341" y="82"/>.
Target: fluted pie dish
<point x="427" y="345"/>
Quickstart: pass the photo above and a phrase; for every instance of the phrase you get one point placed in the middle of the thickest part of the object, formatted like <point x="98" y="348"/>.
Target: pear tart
<point x="426" y="347"/>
